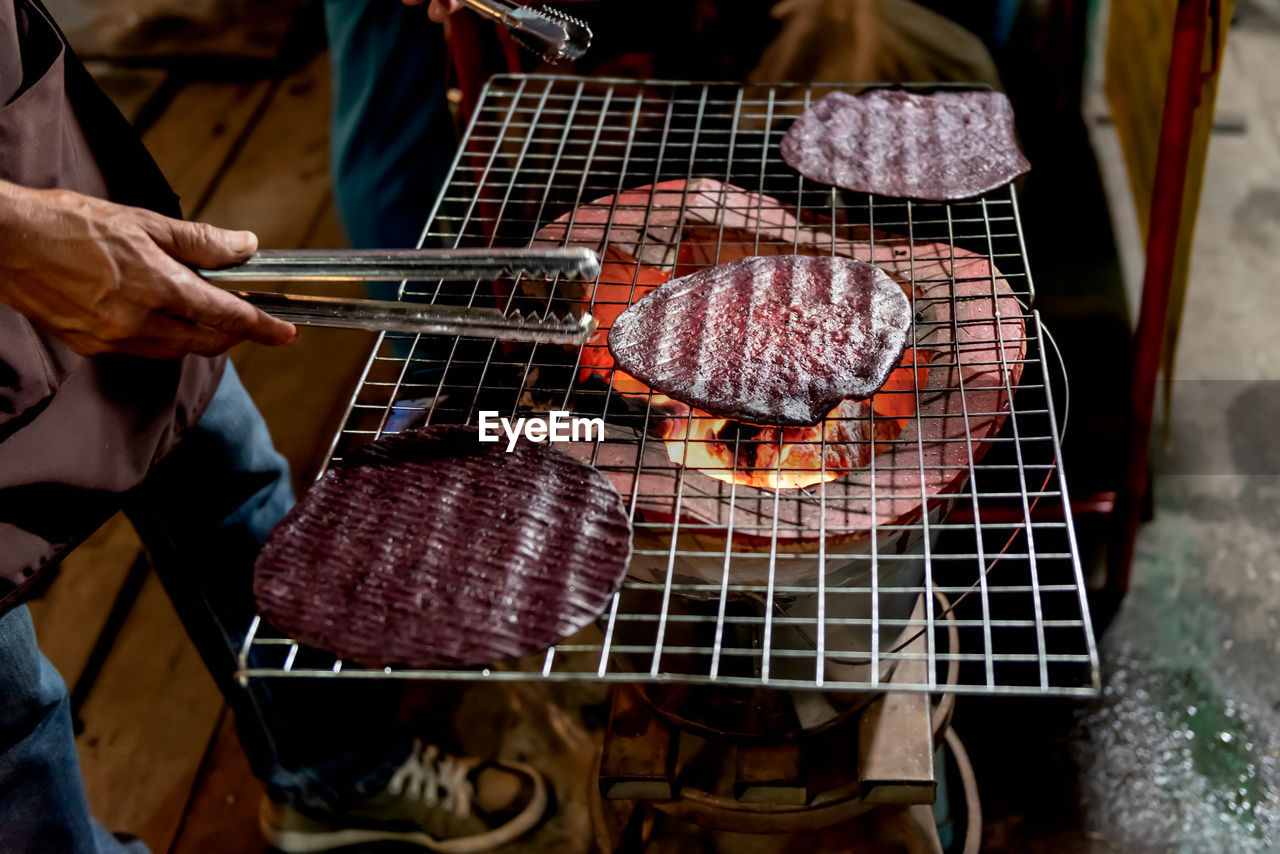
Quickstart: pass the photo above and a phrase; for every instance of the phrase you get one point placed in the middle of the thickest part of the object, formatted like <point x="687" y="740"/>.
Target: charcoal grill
<point x="844" y="614"/>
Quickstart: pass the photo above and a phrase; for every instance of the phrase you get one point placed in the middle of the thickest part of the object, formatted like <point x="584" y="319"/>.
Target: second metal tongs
<point x="548" y="32"/>
<point x="421" y="264"/>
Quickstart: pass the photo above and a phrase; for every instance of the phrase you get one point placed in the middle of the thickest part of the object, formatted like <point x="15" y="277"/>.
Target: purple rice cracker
<point x="779" y="340"/>
<point x="938" y="147"/>
<point x="430" y="549"/>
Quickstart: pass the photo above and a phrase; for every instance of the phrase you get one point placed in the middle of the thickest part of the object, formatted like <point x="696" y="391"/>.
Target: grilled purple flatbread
<point x="430" y="549"/>
<point x="941" y="146"/>
<point x="776" y="341"/>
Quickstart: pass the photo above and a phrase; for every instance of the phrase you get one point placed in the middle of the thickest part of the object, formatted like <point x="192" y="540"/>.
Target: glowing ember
<point x="768" y="460"/>
<point x="731" y="451"/>
<point x="622" y="281"/>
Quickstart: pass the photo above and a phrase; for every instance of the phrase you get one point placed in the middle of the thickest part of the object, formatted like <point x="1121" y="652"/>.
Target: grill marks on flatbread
<point x="430" y="549"/>
<point x="939" y="146"/>
<point x="779" y="340"/>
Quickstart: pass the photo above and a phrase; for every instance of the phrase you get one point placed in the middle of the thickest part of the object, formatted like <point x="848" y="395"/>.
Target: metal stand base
<point x="882" y="758"/>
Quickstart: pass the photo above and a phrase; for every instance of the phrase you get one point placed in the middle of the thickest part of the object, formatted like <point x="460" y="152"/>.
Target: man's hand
<point x="106" y="278"/>
<point x="439" y="9"/>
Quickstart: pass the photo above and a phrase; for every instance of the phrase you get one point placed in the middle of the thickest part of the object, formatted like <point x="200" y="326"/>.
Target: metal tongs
<point x="386" y="265"/>
<point x="548" y="32"/>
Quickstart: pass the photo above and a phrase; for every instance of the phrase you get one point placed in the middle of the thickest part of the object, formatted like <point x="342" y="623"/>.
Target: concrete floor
<point x="1181" y="753"/>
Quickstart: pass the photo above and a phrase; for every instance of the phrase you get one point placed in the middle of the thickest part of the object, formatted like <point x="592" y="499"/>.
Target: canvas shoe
<point x="450" y="804"/>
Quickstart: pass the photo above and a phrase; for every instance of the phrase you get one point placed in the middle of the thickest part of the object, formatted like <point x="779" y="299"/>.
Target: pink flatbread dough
<point x="430" y="549"/>
<point x="778" y="340"/>
<point x="940" y="146"/>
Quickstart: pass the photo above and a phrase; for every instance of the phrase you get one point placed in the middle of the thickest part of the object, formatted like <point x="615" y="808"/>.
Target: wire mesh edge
<point x="246" y="671"/>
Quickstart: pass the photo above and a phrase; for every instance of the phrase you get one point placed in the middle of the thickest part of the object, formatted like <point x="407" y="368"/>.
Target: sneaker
<point x="454" y="805"/>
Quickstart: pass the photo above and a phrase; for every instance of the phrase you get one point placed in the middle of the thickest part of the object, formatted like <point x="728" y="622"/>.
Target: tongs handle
<point x="421" y="318"/>
<point x="394" y="265"/>
<point x="498" y="11"/>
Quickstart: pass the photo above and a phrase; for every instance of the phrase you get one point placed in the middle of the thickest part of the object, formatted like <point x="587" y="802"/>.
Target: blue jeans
<point x="202" y="513"/>
<point x="392" y="135"/>
<point x="43" y="809"/>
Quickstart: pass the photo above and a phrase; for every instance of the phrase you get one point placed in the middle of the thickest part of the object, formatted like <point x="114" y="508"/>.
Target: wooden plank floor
<point x="164" y="31"/>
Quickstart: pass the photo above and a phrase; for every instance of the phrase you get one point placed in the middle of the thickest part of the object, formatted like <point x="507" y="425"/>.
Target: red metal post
<point x="462" y="35"/>
<point x="1182" y="97"/>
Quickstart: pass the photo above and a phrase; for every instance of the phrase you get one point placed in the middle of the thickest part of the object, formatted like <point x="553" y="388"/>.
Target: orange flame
<point x="795" y="462"/>
<point x="775" y="458"/>
<point x="896" y="399"/>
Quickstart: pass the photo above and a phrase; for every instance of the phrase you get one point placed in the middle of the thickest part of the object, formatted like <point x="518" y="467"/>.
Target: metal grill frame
<point x="520" y="122"/>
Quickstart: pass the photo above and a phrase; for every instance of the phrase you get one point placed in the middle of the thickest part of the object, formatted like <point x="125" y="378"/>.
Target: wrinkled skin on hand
<point x="107" y="278"/>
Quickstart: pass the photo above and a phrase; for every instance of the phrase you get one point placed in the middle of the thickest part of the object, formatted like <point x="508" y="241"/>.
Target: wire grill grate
<point x="811" y="587"/>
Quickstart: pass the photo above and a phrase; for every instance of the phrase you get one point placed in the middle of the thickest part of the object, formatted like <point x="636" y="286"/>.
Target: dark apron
<point x="76" y="434"/>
